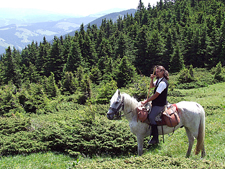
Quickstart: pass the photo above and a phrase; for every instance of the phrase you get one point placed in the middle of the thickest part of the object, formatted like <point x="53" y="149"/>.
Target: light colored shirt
<point x="161" y="86"/>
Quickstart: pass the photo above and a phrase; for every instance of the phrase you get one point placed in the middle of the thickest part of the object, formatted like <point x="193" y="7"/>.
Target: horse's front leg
<point x="140" y="140"/>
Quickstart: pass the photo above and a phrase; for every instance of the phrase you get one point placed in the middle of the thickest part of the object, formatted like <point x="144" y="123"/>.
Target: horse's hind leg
<point x="140" y="140"/>
<point x="203" y="151"/>
<point x="190" y="141"/>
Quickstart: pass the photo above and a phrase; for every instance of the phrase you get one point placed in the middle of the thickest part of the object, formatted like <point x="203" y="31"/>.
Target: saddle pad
<point x="142" y="113"/>
<point x="170" y="117"/>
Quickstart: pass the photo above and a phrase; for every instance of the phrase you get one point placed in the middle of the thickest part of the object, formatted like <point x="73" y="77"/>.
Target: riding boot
<point x="155" y="139"/>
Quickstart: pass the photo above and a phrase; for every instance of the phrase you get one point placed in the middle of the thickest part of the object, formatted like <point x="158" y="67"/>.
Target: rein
<point x="124" y="114"/>
<point x="119" y="112"/>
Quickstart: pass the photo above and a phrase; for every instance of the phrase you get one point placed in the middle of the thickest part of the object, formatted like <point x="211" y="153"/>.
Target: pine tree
<point x="126" y="72"/>
<point x="11" y="69"/>
<point x="141" y="61"/>
<point x="74" y="58"/>
<point x="95" y="75"/>
<point x="54" y="61"/>
<point x="87" y="50"/>
<point x="1" y="72"/>
<point x="50" y="86"/>
<point x="140" y="6"/>
<point x="177" y="62"/>
<point x="32" y="54"/>
<point x="110" y="69"/>
<point x="121" y="45"/>
<point x="43" y="52"/>
<point x="218" y="76"/>
<point x="31" y="74"/>
<point x="70" y="84"/>
<point x="156" y="51"/>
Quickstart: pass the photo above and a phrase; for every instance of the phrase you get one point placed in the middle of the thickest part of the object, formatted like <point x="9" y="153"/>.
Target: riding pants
<point x="154" y="112"/>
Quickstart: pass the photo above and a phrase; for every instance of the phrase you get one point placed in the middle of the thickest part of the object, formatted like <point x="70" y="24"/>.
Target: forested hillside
<point x="176" y="34"/>
<point x="54" y="96"/>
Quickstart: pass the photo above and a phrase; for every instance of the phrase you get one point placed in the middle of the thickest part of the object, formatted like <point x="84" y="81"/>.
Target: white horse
<point x="192" y="117"/>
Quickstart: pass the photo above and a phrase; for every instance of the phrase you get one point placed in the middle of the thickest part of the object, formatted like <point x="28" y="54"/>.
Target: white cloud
<point x="81" y="7"/>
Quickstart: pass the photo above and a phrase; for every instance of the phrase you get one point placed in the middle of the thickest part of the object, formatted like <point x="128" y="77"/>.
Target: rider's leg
<point x="154" y="130"/>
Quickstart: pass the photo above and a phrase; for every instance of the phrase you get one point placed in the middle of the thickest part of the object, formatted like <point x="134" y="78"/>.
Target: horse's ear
<point x="118" y="92"/>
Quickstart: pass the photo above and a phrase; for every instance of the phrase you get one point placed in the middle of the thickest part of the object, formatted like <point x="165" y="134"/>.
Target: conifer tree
<point x="42" y="56"/>
<point x="50" y="86"/>
<point x="169" y="48"/>
<point x="95" y="75"/>
<point x="156" y="51"/>
<point x="31" y="74"/>
<point x="32" y="54"/>
<point x="105" y="51"/>
<point x="11" y="70"/>
<point x="54" y="62"/>
<point x="85" y="88"/>
<point x="70" y="84"/>
<point x="141" y="61"/>
<point x="126" y="72"/>
<point x="66" y="48"/>
<point x="218" y="76"/>
<point x="177" y="62"/>
<point x="74" y="58"/>
<point x="140" y="6"/>
<point x="110" y="69"/>
<point x="121" y="45"/>
<point x="1" y="72"/>
<point x="88" y="51"/>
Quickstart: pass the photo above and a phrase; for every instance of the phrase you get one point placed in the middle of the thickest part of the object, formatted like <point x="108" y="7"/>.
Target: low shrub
<point x="140" y="88"/>
<point x="192" y="85"/>
<point x="105" y="92"/>
<point x="74" y="132"/>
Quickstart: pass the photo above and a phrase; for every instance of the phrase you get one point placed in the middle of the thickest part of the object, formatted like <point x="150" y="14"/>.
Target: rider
<point x="159" y="99"/>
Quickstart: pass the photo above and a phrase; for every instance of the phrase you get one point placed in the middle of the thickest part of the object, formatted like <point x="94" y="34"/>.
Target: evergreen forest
<point x="54" y="95"/>
<point x="174" y="33"/>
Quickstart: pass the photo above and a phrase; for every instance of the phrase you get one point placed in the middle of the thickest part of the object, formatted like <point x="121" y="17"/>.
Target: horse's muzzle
<point x="110" y="115"/>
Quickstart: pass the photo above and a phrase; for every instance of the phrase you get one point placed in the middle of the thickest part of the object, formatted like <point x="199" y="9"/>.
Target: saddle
<point x="169" y="116"/>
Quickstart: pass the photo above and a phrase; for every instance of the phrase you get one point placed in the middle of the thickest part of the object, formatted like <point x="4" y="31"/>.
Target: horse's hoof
<point x="152" y="142"/>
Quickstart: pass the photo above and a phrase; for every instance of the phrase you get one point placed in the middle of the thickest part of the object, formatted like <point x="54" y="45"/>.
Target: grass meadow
<point x="170" y="154"/>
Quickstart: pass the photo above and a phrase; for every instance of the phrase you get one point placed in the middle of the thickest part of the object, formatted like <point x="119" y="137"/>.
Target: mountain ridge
<point x="19" y="35"/>
<point x="114" y="16"/>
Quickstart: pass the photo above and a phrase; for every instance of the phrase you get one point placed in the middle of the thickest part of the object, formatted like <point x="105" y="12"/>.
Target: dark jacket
<point x="161" y="100"/>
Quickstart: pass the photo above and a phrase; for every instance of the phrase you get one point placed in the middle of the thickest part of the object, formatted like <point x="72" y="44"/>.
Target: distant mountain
<point x="20" y="35"/>
<point x="23" y="31"/>
<point x="114" y="16"/>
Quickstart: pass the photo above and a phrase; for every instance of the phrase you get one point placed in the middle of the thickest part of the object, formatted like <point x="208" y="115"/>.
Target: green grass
<point x="36" y="161"/>
<point x="170" y="154"/>
<point x="213" y="95"/>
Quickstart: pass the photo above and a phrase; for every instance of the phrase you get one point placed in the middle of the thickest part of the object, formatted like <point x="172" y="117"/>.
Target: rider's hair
<point x="166" y="73"/>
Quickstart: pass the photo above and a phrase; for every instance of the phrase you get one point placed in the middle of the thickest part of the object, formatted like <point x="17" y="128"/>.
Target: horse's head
<point x="116" y="105"/>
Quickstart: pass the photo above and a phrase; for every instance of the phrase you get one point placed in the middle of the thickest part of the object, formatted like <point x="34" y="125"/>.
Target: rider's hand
<point x="152" y="76"/>
<point x="144" y="102"/>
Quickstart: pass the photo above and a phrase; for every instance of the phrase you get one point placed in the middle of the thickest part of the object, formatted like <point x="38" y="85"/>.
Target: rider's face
<point x="159" y="73"/>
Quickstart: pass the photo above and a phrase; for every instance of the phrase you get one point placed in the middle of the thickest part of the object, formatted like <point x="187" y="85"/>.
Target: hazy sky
<point x="76" y="7"/>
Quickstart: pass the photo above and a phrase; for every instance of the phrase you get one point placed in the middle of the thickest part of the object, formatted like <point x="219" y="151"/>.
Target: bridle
<point x="116" y="111"/>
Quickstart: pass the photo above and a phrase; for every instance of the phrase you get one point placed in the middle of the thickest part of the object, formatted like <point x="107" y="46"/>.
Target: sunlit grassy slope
<point x="170" y="154"/>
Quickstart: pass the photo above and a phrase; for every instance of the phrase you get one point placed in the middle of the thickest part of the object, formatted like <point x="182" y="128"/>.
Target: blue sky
<point x="75" y="7"/>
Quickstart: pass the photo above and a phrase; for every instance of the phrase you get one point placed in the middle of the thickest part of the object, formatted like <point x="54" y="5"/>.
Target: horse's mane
<point x="129" y="100"/>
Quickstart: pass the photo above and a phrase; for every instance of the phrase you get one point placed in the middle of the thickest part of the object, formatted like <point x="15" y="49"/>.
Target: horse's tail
<point x="201" y="133"/>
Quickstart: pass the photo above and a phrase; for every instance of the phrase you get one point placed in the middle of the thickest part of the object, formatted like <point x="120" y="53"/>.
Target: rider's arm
<point x="153" y="97"/>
